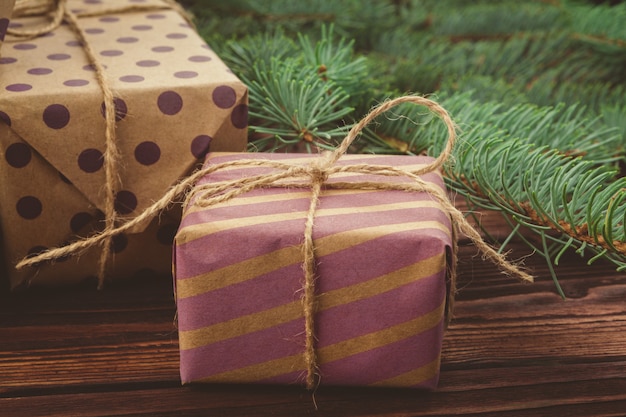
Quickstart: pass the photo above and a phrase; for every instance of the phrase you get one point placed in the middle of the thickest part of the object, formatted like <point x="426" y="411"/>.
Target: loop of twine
<point x="59" y="13"/>
<point x="314" y="176"/>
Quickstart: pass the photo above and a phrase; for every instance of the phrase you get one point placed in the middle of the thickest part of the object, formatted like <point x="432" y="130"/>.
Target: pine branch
<point x="536" y="87"/>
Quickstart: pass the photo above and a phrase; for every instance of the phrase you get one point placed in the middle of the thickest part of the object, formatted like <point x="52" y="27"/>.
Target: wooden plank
<point x="513" y="349"/>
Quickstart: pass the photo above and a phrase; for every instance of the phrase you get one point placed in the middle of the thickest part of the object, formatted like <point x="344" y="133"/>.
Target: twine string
<point x="313" y="176"/>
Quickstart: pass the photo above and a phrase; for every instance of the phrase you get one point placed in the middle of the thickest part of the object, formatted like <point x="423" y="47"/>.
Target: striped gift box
<point x="382" y="261"/>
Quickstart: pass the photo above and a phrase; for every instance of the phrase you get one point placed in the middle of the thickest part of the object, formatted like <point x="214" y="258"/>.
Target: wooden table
<point x="513" y="350"/>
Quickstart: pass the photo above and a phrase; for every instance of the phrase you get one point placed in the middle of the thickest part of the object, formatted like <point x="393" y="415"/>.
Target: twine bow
<point x="59" y="12"/>
<point x="315" y="176"/>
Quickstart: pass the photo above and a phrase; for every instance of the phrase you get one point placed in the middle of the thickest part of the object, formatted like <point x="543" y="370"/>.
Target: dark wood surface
<point x="513" y="349"/>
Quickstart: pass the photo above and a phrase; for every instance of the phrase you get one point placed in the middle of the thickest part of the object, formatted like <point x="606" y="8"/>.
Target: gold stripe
<point x="270" y="198"/>
<point x="413" y="377"/>
<point x="199" y="230"/>
<point x="335" y="352"/>
<point x="239" y="326"/>
<point x="266" y="263"/>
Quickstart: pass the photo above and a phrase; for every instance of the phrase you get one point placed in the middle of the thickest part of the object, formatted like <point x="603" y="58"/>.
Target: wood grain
<point x="513" y="349"/>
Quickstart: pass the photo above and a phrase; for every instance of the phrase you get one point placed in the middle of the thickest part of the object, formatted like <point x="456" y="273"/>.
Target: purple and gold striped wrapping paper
<point x="381" y="281"/>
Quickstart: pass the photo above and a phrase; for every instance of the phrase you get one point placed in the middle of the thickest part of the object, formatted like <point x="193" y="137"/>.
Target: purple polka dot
<point x="147" y="153"/>
<point x="89" y="67"/>
<point x="119" y="243"/>
<point x="132" y="78"/>
<point x="170" y="103"/>
<point x="7" y="60"/>
<point x="200" y="58"/>
<point x="184" y="25"/>
<point x="56" y="116"/>
<point x="148" y="63"/>
<point x="90" y="160"/>
<point x="142" y="27"/>
<point x="92" y="1"/>
<point x="75" y="83"/>
<point x="125" y="202"/>
<point x="73" y="43"/>
<point x="24" y="46"/>
<point x="18" y="88"/>
<point x="109" y="19"/>
<point x="112" y="52"/>
<point x="4" y="25"/>
<point x="59" y="57"/>
<point x="200" y="146"/>
<point x="18" y="155"/>
<point x="39" y="71"/>
<point x="5" y="118"/>
<point x="162" y="49"/>
<point x="185" y="74"/>
<point x="239" y="116"/>
<point x="127" y="39"/>
<point x="15" y="25"/>
<point x="166" y="233"/>
<point x="79" y="221"/>
<point x="224" y="97"/>
<point x="155" y="16"/>
<point x="121" y="110"/>
<point x="176" y="36"/>
<point x="94" y="31"/>
<point x="29" y="207"/>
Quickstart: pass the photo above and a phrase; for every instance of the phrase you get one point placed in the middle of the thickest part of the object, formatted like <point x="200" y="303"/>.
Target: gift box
<point x="382" y="259"/>
<point x="6" y="7"/>
<point x="174" y="99"/>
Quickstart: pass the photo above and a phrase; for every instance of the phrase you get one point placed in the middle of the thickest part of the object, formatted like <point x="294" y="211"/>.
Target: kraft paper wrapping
<point x="175" y="100"/>
<point x="6" y="7"/>
<point x="381" y="282"/>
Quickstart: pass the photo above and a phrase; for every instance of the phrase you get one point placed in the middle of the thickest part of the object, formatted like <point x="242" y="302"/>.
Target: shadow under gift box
<point x="175" y="99"/>
<point x="381" y="266"/>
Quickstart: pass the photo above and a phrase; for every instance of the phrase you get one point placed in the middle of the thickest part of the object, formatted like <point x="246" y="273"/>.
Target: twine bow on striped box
<point x="380" y="282"/>
<point x="333" y="268"/>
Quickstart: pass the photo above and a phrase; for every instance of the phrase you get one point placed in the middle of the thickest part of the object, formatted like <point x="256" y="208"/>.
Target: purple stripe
<point x="228" y="247"/>
<point x="281" y="286"/>
<point x="378" y="257"/>
<point x="382" y="311"/>
<point x="250" y="349"/>
<point x="335" y="325"/>
<point x="299" y="204"/>
<point x="237" y="300"/>
<point x="378" y="364"/>
<point x="231" y="246"/>
<point x="287" y="340"/>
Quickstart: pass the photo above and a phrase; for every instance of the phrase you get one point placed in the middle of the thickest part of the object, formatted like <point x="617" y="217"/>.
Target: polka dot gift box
<point x="173" y="101"/>
<point x="6" y="7"/>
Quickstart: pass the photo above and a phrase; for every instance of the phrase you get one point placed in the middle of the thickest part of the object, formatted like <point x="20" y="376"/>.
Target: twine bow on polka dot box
<point x="103" y="106"/>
